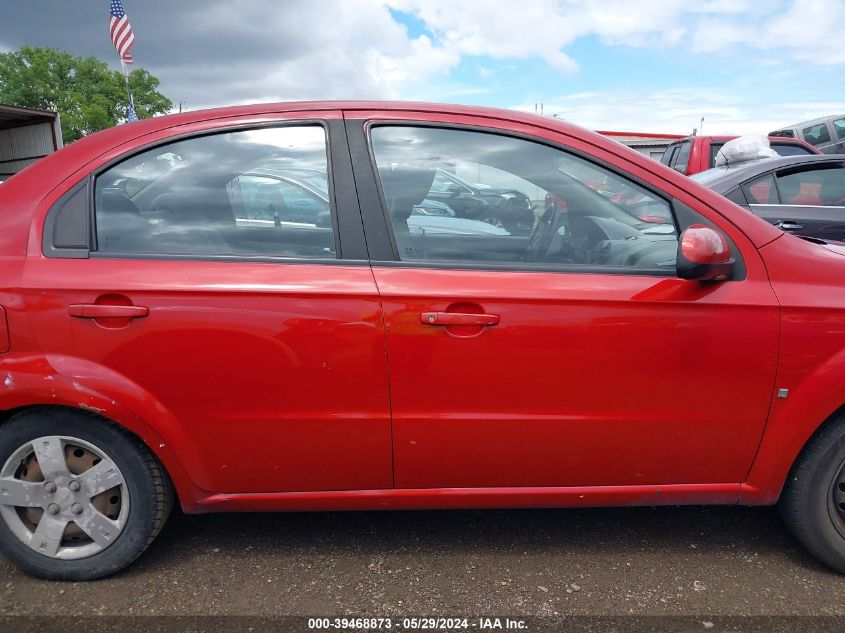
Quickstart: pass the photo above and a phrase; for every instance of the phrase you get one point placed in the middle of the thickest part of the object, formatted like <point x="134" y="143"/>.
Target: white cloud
<point x="680" y="110"/>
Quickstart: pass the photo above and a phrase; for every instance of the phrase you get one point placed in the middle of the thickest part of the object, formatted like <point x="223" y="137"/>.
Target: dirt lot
<point x="647" y="561"/>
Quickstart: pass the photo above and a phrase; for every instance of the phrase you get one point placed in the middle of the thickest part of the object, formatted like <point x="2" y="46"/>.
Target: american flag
<point x="121" y="32"/>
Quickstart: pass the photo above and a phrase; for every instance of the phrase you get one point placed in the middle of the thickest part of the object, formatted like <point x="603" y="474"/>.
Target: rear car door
<point x="570" y="357"/>
<point x="253" y="326"/>
<point x="806" y="199"/>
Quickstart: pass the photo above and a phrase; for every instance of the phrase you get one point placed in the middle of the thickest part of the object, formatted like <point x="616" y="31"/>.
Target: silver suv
<point x="827" y="134"/>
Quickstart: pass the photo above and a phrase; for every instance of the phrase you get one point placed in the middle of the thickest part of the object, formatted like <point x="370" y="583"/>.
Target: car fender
<point x="58" y="380"/>
<point x="794" y="417"/>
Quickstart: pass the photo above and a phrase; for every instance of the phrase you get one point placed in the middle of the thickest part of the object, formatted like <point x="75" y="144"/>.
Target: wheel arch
<point x="793" y="422"/>
<point x="78" y="385"/>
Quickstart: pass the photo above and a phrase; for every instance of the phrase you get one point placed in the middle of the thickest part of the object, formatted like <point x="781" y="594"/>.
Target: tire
<point x="813" y="500"/>
<point x="125" y="517"/>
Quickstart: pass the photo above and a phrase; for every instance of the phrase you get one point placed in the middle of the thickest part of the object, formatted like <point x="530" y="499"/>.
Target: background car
<point x="799" y="194"/>
<point x="698" y="153"/>
<point x="827" y="134"/>
<point x="508" y="208"/>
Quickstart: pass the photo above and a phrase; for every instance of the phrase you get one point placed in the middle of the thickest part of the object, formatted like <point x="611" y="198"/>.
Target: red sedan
<point x="236" y="309"/>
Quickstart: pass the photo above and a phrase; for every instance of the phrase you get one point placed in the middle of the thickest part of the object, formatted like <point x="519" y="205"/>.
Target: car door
<point x="573" y="357"/>
<point x="806" y="199"/>
<point x="260" y="340"/>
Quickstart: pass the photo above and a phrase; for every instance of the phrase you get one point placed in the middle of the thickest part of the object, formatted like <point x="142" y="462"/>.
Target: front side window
<point x="524" y="203"/>
<point x="816" y="134"/>
<point x="839" y="126"/>
<point x="247" y="193"/>
<point x="818" y="186"/>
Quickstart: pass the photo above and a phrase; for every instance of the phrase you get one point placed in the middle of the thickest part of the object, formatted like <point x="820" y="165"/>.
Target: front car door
<point x="575" y="356"/>
<point x="257" y="339"/>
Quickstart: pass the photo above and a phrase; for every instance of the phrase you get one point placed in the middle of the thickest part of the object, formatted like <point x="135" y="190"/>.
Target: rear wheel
<point x="80" y="498"/>
<point x="813" y="501"/>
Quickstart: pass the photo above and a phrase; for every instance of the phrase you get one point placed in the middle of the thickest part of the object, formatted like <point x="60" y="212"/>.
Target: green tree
<point x="88" y="95"/>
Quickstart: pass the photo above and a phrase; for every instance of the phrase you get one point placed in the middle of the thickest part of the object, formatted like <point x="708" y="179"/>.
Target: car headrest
<point x="114" y="202"/>
<point x="194" y="207"/>
<point x="405" y="187"/>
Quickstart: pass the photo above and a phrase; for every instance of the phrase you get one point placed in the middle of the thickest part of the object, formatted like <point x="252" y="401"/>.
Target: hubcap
<point x="837" y="501"/>
<point x="63" y="497"/>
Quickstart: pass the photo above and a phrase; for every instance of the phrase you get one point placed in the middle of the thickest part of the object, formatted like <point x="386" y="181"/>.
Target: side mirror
<point x="704" y="254"/>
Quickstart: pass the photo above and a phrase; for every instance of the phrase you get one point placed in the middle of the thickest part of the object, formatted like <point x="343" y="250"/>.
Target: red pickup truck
<point x="693" y="154"/>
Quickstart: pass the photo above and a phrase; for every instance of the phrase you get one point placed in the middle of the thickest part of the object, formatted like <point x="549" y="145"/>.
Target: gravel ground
<point x="646" y="561"/>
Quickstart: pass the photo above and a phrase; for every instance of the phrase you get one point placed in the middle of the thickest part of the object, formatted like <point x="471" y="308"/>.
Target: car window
<point x="824" y="186"/>
<point x="666" y="158"/>
<point x="532" y="204"/>
<point x="790" y="150"/>
<point x="839" y="126"/>
<point x="816" y="134"/>
<point x="265" y="199"/>
<point x="784" y="133"/>
<point x="681" y="159"/>
<point x="715" y="146"/>
<point x="761" y="190"/>
<point x="253" y="193"/>
<point x="737" y="196"/>
<point x="444" y="184"/>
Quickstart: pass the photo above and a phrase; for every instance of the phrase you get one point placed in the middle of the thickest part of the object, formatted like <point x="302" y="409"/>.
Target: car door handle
<point x="788" y="225"/>
<point x="101" y="311"/>
<point x="458" y="318"/>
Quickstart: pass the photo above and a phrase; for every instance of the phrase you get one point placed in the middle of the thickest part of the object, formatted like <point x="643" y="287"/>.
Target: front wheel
<point x="80" y="498"/>
<point x="813" y="500"/>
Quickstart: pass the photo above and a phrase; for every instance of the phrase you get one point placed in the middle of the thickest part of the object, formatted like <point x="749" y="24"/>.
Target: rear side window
<point x="839" y="126"/>
<point x="816" y="134"/>
<point x="519" y="202"/>
<point x="761" y="190"/>
<point x="790" y="150"/>
<point x="714" y="149"/>
<point x="681" y="159"/>
<point x="817" y="186"/>
<point x="247" y="193"/>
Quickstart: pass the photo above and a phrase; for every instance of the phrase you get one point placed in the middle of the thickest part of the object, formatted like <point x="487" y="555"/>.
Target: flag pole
<point x="128" y="89"/>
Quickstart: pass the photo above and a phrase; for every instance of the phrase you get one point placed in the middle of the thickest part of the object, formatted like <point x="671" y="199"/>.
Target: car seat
<point x="404" y="188"/>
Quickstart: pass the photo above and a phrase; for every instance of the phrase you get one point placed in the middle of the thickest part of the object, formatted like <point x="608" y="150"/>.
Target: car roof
<point x="722" y="179"/>
<point x="803" y="124"/>
<point x="728" y="137"/>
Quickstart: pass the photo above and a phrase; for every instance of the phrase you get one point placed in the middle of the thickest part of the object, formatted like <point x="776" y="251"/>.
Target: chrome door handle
<point x="788" y="225"/>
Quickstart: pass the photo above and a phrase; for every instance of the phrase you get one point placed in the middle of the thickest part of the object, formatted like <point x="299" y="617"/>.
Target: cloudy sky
<point x="647" y="65"/>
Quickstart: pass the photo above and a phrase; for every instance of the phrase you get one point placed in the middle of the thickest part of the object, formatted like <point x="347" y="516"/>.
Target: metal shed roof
<point x="16" y="116"/>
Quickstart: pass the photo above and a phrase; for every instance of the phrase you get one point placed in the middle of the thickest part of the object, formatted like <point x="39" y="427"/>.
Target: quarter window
<point x="248" y="193"/>
<point x="518" y="202"/>
<point x="761" y="190"/>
